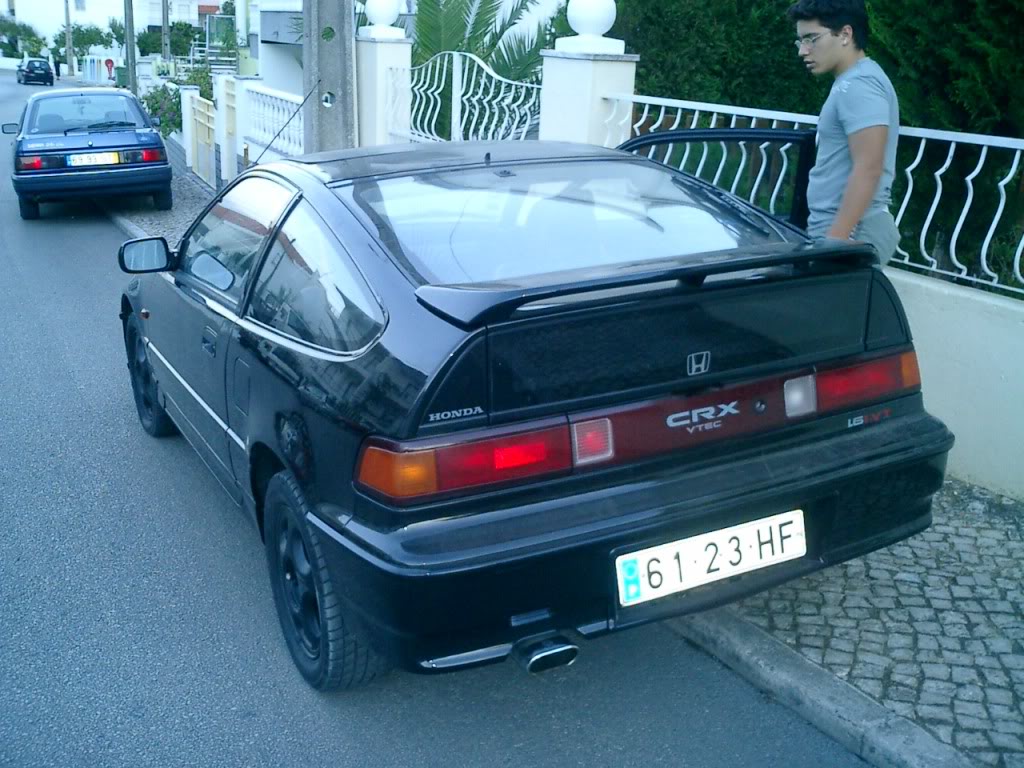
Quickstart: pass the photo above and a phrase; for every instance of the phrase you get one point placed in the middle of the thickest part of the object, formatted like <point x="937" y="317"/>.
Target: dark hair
<point x="835" y="14"/>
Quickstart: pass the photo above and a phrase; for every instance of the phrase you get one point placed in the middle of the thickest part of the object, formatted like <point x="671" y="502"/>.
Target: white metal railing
<point x="978" y="243"/>
<point x="456" y="96"/>
<point x="269" y="112"/>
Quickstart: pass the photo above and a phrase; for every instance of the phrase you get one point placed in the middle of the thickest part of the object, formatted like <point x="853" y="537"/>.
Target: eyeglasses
<point x="809" y="40"/>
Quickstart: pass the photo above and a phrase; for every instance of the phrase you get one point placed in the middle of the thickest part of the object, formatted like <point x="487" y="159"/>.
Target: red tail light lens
<point x="502" y="459"/>
<point x="152" y="155"/>
<point x="844" y="387"/>
<point x="30" y="163"/>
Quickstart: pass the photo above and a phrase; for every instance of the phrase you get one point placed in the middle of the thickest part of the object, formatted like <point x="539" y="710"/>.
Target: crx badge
<point x="698" y="363"/>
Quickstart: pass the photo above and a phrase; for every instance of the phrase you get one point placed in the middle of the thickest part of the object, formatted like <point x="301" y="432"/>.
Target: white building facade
<point x="47" y="16"/>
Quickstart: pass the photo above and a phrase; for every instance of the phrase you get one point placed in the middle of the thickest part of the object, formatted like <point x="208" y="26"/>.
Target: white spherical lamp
<point x="590" y="19"/>
<point x="382" y="14"/>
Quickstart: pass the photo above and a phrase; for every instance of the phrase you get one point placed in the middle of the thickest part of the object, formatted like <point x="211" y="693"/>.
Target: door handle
<point x="210" y="341"/>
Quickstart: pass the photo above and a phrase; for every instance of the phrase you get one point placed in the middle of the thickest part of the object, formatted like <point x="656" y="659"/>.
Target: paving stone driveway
<point x="932" y="627"/>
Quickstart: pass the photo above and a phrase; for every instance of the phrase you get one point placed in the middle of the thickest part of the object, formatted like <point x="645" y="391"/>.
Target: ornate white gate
<point x="456" y="96"/>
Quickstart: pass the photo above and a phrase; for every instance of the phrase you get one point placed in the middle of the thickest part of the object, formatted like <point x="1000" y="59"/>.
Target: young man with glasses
<point x="851" y="183"/>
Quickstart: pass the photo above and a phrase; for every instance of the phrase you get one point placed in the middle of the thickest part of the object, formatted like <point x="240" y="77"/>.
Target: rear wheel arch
<point x="263" y="465"/>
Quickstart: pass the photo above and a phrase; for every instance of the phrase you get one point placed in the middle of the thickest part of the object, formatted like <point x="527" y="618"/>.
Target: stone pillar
<point x="243" y="117"/>
<point x="228" y="166"/>
<point x="382" y="51"/>
<point x="579" y="75"/>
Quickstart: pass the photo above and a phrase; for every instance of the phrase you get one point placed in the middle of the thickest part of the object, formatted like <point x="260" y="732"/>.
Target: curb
<point x="125" y="225"/>
<point x="862" y="725"/>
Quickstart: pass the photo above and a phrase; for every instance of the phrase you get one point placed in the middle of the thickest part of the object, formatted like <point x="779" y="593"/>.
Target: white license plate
<point x="680" y="565"/>
<point x="93" y="158"/>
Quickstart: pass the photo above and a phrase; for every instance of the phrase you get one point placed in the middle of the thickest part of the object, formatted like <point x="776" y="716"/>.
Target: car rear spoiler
<point x="472" y="305"/>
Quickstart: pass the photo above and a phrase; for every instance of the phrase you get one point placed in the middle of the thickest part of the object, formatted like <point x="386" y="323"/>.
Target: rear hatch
<point x="572" y="345"/>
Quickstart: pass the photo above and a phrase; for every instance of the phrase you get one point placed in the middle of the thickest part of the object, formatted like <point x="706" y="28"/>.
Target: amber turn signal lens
<point x="399" y="475"/>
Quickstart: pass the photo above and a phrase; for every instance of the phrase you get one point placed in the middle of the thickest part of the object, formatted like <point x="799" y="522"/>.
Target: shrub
<point x="165" y="102"/>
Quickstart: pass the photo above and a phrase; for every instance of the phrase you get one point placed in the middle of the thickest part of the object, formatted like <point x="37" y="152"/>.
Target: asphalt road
<point x="136" y="621"/>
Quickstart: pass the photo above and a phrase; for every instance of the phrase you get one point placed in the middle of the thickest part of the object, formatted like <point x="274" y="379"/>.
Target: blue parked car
<point x="85" y="143"/>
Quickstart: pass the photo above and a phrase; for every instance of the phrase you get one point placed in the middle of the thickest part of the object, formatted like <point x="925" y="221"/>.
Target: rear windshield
<point x="38" y="65"/>
<point x="501" y="222"/>
<point x="105" y="111"/>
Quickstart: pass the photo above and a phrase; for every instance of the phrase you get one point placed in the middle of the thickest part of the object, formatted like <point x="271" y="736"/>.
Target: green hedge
<point x="956" y="64"/>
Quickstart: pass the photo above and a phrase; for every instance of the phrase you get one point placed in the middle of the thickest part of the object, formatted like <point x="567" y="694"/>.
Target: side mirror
<point x="148" y="254"/>
<point x="11" y="128"/>
<point x="155" y="121"/>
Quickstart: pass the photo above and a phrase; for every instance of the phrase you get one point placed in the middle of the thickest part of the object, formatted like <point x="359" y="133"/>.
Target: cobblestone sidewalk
<point x="190" y="197"/>
<point x="933" y="627"/>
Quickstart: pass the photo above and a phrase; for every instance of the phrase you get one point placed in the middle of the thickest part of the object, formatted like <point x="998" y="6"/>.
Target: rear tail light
<point x="839" y="388"/>
<point x="407" y="473"/>
<point x="143" y="156"/>
<point x="38" y="162"/>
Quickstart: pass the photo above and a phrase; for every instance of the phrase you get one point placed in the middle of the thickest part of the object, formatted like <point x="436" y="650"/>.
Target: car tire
<point x="29" y="209"/>
<point x="152" y="416"/>
<point x="319" y="632"/>
<point x="164" y="200"/>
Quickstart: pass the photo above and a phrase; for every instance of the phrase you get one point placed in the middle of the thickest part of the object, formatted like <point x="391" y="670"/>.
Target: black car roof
<point x="406" y="158"/>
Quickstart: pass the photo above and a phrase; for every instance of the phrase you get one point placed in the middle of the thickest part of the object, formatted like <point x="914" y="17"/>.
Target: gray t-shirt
<point x="861" y="97"/>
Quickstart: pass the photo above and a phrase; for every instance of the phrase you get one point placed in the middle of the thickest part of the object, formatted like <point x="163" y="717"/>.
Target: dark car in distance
<point x="87" y="143"/>
<point x="34" y="71"/>
<point x="483" y="400"/>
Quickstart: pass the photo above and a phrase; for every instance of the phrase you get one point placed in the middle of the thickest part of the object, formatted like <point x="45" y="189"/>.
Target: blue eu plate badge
<point x="629" y="574"/>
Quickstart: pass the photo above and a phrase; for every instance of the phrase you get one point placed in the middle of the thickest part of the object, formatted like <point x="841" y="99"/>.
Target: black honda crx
<point x="484" y="400"/>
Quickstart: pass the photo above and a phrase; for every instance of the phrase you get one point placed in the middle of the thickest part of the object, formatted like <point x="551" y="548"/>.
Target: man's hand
<point x="867" y="149"/>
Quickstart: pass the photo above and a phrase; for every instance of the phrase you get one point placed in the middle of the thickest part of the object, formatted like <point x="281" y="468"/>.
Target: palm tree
<point x="479" y="27"/>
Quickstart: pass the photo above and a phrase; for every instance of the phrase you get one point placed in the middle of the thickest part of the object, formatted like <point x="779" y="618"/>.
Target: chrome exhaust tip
<point x="542" y="655"/>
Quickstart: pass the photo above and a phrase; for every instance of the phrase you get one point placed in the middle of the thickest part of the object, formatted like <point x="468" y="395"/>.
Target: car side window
<point x="222" y="248"/>
<point x="309" y="288"/>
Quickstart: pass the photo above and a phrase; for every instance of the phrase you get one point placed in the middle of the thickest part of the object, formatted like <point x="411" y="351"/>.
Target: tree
<point x="227" y="8"/>
<point x="725" y="52"/>
<point x="84" y="38"/>
<point x="18" y="38"/>
<point x="148" y="42"/>
<point x="479" y="27"/>
<point x="956" y="64"/>
<point x="117" y="32"/>
<point x="182" y="35"/>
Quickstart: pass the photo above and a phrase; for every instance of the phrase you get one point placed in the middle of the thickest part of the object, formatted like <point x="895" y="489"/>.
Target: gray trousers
<point x="877" y="228"/>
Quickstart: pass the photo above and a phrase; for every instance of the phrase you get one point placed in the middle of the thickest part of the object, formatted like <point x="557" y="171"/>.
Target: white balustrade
<point x="273" y="114"/>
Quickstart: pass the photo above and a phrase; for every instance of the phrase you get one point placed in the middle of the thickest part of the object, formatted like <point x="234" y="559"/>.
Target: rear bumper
<point x="460" y="592"/>
<point x="42" y="187"/>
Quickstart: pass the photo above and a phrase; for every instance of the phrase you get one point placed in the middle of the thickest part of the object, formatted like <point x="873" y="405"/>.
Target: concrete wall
<point x="970" y="345"/>
<point x="10" y="64"/>
<point x="176" y="154"/>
